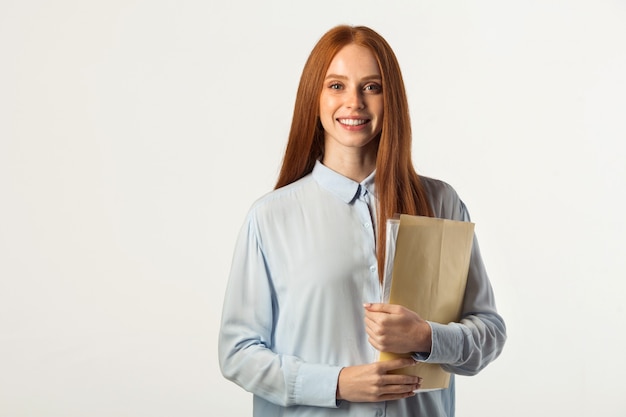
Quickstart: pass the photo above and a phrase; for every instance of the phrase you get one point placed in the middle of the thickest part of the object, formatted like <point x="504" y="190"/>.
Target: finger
<point x="393" y="397"/>
<point x="402" y="380"/>
<point x="400" y="388"/>
<point x="383" y="308"/>
<point x="377" y="318"/>
<point x="372" y="341"/>
<point x="376" y="307"/>
<point x="403" y="387"/>
<point x="372" y="325"/>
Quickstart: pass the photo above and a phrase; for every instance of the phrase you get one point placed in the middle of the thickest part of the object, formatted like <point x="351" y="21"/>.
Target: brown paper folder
<point x="429" y="275"/>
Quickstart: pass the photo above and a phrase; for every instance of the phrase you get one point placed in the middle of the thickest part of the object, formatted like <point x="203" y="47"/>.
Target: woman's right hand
<point x="373" y="383"/>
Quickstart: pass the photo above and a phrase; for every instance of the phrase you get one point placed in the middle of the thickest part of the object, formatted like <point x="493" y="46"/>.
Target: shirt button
<point x="372" y="268"/>
<point x="367" y="225"/>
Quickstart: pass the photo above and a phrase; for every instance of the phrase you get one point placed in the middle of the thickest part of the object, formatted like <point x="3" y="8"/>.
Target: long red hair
<point x="398" y="186"/>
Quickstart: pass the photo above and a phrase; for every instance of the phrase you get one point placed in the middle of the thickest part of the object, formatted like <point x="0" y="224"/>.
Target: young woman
<point x="302" y="322"/>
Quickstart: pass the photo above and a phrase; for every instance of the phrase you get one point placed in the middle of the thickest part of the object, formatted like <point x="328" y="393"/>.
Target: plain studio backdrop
<point x="135" y="135"/>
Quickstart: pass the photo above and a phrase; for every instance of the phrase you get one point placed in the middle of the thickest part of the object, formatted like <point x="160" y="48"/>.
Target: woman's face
<point x="351" y="103"/>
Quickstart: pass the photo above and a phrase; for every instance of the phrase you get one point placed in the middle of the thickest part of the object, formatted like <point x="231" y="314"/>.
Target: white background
<point x="135" y="135"/>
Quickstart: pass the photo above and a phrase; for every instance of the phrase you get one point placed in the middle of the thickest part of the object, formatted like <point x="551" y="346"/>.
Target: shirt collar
<point x="346" y="189"/>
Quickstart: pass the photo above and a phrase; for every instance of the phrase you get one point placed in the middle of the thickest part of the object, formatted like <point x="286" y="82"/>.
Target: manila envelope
<point x="428" y="276"/>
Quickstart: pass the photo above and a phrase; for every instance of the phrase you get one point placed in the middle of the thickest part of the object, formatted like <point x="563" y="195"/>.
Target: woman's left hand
<point x="394" y="328"/>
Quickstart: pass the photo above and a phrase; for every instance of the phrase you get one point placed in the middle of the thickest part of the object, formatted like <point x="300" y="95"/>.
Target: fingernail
<point x="366" y="305"/>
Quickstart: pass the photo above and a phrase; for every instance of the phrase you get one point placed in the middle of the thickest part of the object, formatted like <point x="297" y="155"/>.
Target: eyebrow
<point x="343" y="77"/>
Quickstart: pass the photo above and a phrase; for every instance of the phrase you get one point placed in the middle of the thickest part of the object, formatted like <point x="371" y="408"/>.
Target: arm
<point x="245" y="340"/>
<point x="468" y="346"/>
<point x="465" y="347"/>
<point x="248" y="358"/>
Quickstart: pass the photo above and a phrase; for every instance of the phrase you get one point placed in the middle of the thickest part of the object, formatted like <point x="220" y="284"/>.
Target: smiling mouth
<point x="352" y="122"/>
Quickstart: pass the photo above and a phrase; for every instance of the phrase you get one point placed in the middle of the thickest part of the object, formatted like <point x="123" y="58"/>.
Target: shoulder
<point x="444" y="199"/>
<point x="282" y="199"/>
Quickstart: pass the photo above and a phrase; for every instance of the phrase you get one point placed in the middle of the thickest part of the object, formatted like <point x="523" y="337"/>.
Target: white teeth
<point x="352" y="122"/>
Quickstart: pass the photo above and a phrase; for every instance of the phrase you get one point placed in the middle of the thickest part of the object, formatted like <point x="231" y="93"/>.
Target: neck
<point x="356" y="164"/>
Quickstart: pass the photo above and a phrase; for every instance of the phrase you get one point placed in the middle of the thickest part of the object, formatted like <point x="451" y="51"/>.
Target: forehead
<point x="354" y="60"/>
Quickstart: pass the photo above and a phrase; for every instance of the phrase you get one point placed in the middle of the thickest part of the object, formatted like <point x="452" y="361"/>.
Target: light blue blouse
<point x="304" y="264"/>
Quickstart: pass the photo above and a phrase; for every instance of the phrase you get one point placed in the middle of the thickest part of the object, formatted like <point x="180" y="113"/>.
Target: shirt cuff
<point x="317" y="385"/>
<point x="447" y="340"/>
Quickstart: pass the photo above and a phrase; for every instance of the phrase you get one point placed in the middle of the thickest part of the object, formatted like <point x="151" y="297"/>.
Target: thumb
<point x="379" y="307"/>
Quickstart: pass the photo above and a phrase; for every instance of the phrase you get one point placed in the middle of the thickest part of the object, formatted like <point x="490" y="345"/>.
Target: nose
<point x="355" y="99"/>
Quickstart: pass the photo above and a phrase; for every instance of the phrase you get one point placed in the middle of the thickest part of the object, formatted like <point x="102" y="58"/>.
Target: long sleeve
<point x="304" y="264"/>
<point x="246" y="336"/>
<point x="468" y="346"/>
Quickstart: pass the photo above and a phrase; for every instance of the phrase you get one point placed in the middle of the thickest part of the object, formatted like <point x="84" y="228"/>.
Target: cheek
<point x="327" y="109"/>
<point x="376" y="106"/>
<point x="325" y="116"/>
